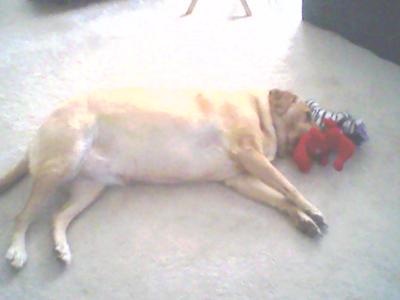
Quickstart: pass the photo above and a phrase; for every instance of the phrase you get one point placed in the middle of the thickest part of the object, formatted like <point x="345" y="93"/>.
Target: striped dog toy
<point x="355" y="129"/>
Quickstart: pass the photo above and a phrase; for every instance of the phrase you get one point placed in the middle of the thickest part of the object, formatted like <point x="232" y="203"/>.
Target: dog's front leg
<point x="259" y="166"/>
<point x="255" y="189"/>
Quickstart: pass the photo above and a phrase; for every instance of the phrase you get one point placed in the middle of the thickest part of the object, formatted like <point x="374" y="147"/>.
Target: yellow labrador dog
<point x="162" y="136"/>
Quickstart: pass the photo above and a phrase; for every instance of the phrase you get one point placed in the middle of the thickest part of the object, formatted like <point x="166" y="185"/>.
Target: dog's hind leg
<point x="43" y="187"/>
<point x="83" y="193"/>
<point x="57" y="155"/>
<point x="255" y="189"/>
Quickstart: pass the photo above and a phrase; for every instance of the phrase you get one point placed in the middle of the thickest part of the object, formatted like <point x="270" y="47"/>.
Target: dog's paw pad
<point x="16" y="256"/>
<point x="63" y="252"/>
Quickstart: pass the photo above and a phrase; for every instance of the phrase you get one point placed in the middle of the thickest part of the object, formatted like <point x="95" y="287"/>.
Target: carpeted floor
<point x="202" y="241"/>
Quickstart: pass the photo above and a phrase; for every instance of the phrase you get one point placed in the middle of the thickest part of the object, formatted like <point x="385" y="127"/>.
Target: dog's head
<point x="291" y="118"/>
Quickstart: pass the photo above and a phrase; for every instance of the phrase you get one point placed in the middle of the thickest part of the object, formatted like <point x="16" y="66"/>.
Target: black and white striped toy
<point x="355" y="129"/>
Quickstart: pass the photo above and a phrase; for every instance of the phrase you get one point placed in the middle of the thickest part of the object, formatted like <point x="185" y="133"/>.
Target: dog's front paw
<point x="306" y="224"/>
<point x="318" y="218"/>
<point x="63" y="252"/>
<point x="17" y="256"/>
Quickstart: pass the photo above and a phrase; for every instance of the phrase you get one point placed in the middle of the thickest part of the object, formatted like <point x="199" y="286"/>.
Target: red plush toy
<point x="312" y="144"/>
<point x="339" y="143"/>
<point x="318" y="144"/>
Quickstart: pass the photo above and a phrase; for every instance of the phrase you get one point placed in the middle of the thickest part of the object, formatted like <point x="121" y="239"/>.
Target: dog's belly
<point x="160" y="152"/>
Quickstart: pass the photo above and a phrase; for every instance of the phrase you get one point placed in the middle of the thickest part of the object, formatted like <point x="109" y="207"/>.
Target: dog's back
<point x="129" y="135"/>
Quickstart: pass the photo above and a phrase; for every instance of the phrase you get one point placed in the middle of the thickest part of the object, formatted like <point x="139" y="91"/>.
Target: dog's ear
<point x="275" y="93"/>
<point x="280" y="101"/>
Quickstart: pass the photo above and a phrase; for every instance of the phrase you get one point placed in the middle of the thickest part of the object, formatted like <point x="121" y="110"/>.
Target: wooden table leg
<point x="246" y="7"/>
<point x="244" y="4"/>
<point x="191" y="7"/>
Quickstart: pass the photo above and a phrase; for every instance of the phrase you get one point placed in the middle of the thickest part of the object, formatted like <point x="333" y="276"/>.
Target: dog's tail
<point x="14" y="175"/>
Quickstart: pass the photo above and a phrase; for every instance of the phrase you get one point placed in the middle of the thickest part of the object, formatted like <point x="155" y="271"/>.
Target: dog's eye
<point x="309" y="116"/>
